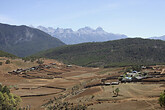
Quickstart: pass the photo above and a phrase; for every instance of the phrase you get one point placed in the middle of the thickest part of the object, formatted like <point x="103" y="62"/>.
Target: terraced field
<point x="71" y="84"/>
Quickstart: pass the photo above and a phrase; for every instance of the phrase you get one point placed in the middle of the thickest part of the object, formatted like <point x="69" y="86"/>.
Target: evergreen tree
<point x="7" y="62"/>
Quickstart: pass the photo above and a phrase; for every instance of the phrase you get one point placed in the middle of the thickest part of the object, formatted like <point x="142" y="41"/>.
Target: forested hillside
<point x="5" y="54"/>
<point x="23" y="40"/>
<point x="122" y="52"/>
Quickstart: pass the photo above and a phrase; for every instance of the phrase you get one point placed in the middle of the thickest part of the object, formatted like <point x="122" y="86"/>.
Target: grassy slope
<point x="119" y="52"/>
<point x="5" y="54"/>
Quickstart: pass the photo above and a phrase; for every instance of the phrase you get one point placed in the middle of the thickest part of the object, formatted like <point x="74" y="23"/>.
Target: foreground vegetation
<point x="8" y="101"/>
<point x="131" y="51"/>
<point x="162" y="99"/>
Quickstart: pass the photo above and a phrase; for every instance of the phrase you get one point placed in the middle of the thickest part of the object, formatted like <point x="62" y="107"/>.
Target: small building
<point x="134" y="71"/>
<point x="107" y="83"/>
<point x="126" y="79"/>
<point x="143" y="67"/>
<point x="133" y="74"/>
<point x="69" y="65"/>
<point x="114" y="83"/>
<point x="53" y="63"/>
<point x="139" y="77"/>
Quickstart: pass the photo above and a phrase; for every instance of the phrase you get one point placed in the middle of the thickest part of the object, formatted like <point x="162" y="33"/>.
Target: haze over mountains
<point x="160" y="38"/>
<point x="82" y="35"/>
<point x="23" y="41"/>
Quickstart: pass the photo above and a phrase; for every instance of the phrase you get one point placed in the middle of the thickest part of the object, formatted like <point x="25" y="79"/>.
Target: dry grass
<point x="132" y="96"/>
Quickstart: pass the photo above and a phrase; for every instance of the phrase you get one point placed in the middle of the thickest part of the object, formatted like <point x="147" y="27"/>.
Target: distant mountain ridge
<point x="160" y="38"/>
<point x="130" y="51"/>
<point x="82" y="35"/>
<point x="23" y="40"/>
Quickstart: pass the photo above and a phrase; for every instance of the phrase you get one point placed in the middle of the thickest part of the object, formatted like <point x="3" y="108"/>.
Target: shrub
<point x="133" y="68"/>
<point x="136" y="68"/>
<point x="66" y="106"/>
<point x="32" y="60"/>
<point x="40" y="61"/>
<point x="7" y="62"/>
<point x="8" y="101"/>
<point x="162" y="99"/>
<point x="116" y="91"/>
<point x="128" y="69"/>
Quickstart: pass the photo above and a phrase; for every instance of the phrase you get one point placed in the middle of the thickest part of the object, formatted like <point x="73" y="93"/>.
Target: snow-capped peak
<point x="85" y="34"/>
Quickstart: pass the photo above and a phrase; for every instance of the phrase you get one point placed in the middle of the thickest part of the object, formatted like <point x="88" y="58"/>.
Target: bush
<point x="40" y="61"/>
<point x="128" y="69"/>
<point x="0" y="63"/>
<point x="116" y="91"/>
<point x="136" y="68"/>
<point x="7" y="62"/>
<point x="66" y="106"/>
<point x="33" y="59"/>
<point x="162" y="99"/>
<point x="133" y="68"/>
<point x="8" y="101"/>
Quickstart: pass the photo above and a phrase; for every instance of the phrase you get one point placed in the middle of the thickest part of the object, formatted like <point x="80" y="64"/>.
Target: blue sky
<point x="134" y="18"/>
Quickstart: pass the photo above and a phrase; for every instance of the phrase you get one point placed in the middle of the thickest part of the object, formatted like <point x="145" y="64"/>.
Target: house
<point x="133" y="74"/>
<point x="140" y="77"/>
<point x="114" y="83"/>
<point x="53" y="63"/>
<point x="69" y="65"/>
<point x="137" y="79"/>
<point x="143" y="67"/>
<point x="134" y="71"/>
<point x="107" y="83"/>
<point x="126" y="79"/>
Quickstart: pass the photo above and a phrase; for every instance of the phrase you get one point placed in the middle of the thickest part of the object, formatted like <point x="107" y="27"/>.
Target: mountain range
<point x="82" y="35"/>
<point x="23" y="40"/>
<point x="85" y="34"/>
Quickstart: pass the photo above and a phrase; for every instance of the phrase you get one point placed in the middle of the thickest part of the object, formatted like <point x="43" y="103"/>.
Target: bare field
<point x="37" y="87"/>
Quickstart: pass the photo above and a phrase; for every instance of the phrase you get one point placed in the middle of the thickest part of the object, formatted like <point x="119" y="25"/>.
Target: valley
<point x="55" y="83"/>
<point x="82" y="55"/>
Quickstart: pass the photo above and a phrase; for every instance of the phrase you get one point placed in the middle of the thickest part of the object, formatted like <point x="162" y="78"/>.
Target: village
<point x="147" y="74"/>
<point x="40" y="71"/>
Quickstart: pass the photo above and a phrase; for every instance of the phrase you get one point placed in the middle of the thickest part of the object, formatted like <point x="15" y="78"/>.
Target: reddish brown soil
<point x="89" y="91"/>
<point x="40" y="90"/>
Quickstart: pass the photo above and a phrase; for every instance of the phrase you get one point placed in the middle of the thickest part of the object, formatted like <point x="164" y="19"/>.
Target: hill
<point x="5" y="54"/>
<point x="23" y="41"/>
<point x="122" y="52"/>
<point x="82" y="35"/>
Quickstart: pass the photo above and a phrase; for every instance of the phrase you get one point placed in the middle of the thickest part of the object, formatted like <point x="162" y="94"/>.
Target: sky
<point x="134" y="18"/>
